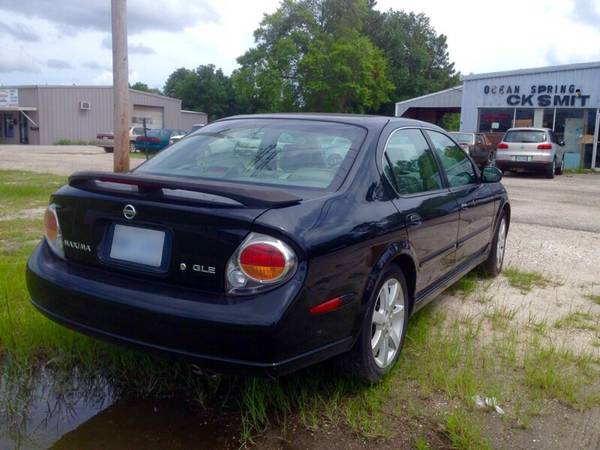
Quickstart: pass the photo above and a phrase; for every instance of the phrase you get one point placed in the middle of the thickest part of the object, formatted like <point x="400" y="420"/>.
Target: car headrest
<point x="300" y="156"/>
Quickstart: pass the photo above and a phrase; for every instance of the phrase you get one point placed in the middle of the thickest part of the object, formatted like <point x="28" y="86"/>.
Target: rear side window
<point x="285" y="152"/>
<point x="411" y="166"/>
<point x="457" y="166"/>
<point x="525" y="136"/>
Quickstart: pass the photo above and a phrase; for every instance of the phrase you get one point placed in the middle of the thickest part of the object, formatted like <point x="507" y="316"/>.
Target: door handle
<point x="414" y="220"/>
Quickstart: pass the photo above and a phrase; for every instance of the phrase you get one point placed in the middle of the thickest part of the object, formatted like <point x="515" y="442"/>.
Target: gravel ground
<point x="555" y="230"/>
<point x="57" y="159"/>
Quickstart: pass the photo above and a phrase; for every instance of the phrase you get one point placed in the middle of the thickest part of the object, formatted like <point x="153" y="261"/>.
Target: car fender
<point x="391" y="252"/>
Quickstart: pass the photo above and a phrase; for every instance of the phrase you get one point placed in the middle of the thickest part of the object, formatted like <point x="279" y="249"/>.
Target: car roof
<point x="365" y="120"/>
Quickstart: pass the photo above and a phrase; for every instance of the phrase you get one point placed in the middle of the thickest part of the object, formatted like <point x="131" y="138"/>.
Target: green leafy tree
<point x="204" y="89"/>
<point x="311" y="56"/>
<point x="418" y="57"/>
<point x="139" y="86"/>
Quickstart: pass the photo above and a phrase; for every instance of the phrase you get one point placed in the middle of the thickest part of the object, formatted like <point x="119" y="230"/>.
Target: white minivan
<point x="535" y="149"/>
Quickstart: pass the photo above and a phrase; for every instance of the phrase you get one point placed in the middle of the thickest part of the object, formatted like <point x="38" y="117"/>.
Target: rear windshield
<point x="525" y="136"/>
<point x="288" y="152"/>
<point x="154" y="133"/>
<point x="466" y="138"/>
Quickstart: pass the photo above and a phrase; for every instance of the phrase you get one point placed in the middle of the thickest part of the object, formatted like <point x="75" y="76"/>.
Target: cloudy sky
<point x="68" y="41"/>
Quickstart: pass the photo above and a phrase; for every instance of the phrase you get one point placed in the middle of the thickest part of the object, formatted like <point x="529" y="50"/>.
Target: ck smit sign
<point x="9" y="97"/>
<point x="539" y="95"/>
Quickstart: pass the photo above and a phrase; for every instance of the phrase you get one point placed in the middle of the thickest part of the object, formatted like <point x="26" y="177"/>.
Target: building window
<point x="524" y="117"/>
<point x="495" y="119"/>
<point x="548" y="120"/>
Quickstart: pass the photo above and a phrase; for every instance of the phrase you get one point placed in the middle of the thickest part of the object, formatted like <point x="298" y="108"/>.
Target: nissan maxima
<point x="245" y="249"/>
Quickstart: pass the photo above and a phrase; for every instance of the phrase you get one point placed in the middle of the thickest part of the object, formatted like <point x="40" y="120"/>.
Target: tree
<point x="139" y="86"/>
<point x="418" y="57"/>
<point x="204" y="89"/>
<point x="310" y="56"/>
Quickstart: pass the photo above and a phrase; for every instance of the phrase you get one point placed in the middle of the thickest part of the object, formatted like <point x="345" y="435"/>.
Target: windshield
<point x="289" y="152"/>
<point x="465" y="138"/>
<point x="525" y="136"/>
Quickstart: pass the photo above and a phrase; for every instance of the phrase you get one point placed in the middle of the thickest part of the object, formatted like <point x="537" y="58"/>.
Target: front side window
<point x="455" y="162"/>
<point x="411" y="166"/>
<point x="285" y="152"/>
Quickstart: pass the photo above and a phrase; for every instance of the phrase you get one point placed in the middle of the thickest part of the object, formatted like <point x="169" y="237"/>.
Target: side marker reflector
<point x="328" y="306"/>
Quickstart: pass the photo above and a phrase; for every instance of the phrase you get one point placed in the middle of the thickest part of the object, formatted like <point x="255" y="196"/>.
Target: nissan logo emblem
<point x="129" y="212"/>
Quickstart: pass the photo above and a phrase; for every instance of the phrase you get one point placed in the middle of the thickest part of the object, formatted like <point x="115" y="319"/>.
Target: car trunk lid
<point x="196" y="226"/>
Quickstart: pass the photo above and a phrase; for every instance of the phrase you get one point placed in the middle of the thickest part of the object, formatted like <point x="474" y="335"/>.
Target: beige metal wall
<point x="60" y="116"/>
<point x="189" y="118"/>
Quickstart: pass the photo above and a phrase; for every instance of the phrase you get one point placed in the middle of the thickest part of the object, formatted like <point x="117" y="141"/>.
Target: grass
<point x="579" y="320"/>
<point x="595" y="298"/>
<point x="523" y="280"/>
<point x="452" y="360"/>
<point x="464" y="432"/>
<point x="65" y="141"/>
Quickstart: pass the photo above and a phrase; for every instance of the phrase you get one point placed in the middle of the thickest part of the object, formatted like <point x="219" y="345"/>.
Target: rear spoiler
<point x="251" y="196"/>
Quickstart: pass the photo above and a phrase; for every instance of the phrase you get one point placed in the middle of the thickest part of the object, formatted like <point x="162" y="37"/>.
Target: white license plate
<point x="137" y="245"/>
<point x="521" y="158"/>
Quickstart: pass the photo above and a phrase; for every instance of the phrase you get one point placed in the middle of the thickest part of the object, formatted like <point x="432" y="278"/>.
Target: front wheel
<point x="383" y="330"/>
<point x="493" y="264"/>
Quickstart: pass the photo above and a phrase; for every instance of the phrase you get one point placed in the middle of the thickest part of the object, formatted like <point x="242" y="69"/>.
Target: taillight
<point x="545" y="146"/>
<point x="52" y="231"/>
<point x="260" y="262"/>
<point x="502" y="146"/>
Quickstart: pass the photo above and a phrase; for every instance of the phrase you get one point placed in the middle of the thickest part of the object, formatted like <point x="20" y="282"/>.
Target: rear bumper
<point x="267" y="334"/>
<point x="522" y="165"/>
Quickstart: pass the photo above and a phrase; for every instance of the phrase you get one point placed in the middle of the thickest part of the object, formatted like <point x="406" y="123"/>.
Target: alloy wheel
<point x="501" y="243"/>
<point x="387" y="324"/>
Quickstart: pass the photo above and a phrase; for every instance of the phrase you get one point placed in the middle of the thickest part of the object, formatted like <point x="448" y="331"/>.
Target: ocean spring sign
<point x="539" y="95"/>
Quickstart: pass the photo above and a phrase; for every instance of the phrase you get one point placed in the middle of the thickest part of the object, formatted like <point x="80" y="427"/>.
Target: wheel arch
<point x="400" y="254"/>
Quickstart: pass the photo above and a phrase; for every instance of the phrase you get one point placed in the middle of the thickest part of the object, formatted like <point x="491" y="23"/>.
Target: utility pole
<point x="120" y="85"/>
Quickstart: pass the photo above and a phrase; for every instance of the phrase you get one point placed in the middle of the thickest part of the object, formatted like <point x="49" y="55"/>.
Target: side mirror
<point x="491" y="175"/>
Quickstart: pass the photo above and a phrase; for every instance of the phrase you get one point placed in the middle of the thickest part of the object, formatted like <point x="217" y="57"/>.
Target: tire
<point x="384" y="328"/>
<point x="108" y="149"/>
<point x="550" y="170"/>
<point x="559" y="169"/>
<point x="493" y="264"/>
<point x="131" y="147"/>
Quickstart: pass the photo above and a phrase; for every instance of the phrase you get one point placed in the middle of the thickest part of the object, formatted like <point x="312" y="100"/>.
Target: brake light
<point x="545" y="146"/>
<point x="260" y="262"/>
<point x="52" y="231"/>
<point x="502" y="146"/>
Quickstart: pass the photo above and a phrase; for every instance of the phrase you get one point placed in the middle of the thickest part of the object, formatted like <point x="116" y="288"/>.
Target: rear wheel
<point x="559" y="169"/>
<point x="383" y="330"/>
<point x="108" y="149"/>
<point x="551" y="169"/>
<point x="493" y="264"/>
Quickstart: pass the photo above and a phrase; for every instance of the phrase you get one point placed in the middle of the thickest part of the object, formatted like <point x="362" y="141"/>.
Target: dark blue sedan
<point x="246" y="247"/>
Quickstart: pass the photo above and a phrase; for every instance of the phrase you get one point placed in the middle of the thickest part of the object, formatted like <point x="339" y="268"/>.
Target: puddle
<point x="76" y="413"/>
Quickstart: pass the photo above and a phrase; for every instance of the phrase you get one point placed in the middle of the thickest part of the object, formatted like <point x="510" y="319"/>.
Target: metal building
<point x="46" y="114"/>
<point x="563" y="98"/>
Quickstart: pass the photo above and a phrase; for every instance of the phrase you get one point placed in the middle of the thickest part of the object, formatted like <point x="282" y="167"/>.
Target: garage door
<point x="152" y="114"/>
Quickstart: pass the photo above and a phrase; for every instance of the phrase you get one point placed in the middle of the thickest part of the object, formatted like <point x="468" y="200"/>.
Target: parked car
<point x="477" y="145"/>
<point x="156" y="140"/>
<point x="107" y="140"/>
<point x="535" y="149"/>
<point x="270" y="261"/>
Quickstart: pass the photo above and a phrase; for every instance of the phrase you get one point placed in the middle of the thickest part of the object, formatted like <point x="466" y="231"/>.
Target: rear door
<point x="474" y="198"/>
<point x="429" y="209"/>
